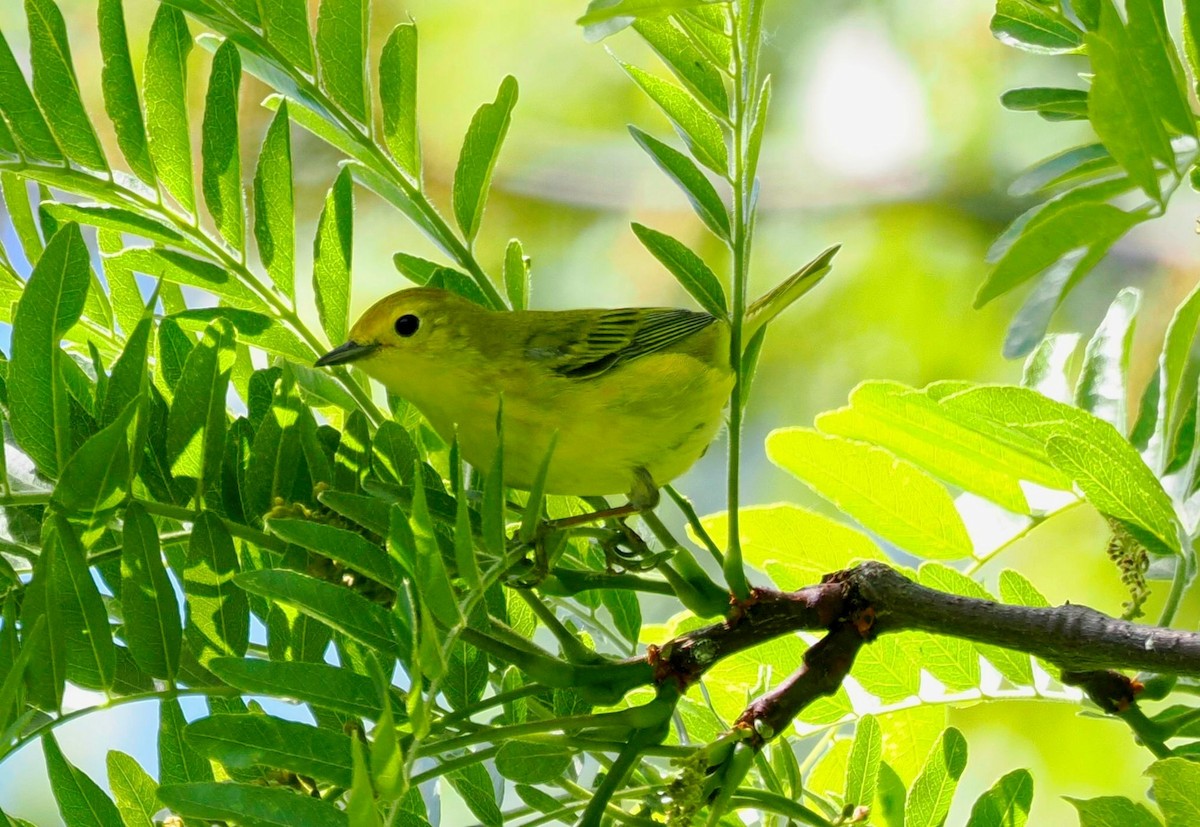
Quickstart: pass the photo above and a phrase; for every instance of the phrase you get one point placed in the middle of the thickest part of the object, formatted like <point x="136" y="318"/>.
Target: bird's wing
<point x="591" y="343"/>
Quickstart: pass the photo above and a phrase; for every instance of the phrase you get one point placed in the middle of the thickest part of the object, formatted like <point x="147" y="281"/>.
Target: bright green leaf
<point x="56" y="87"/>
<point x="218" y="612"/>
<point x="929" y="799"/>
<point x="80" y="799"/>
<point x="477" y="160"/>
<point x="39" y="411"/>
<point x="1007" y="803"/>
<point x="398" y="97"/>
<point x="882" y="492"/>
<point x="221" y="166"/>
<point x="342" y="54"/>
<point x="274" y="221"/>
<point x="332" y="252"/>
<point x="688" y="269"/>
<point x="151" y="610"/>
<point x="166" y="98"/>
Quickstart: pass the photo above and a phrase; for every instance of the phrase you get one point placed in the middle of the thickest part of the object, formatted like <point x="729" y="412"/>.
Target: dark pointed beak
<point x="349" y="352"/>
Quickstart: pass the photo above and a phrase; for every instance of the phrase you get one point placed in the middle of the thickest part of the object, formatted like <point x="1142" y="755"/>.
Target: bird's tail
<point x="767" y="307"/>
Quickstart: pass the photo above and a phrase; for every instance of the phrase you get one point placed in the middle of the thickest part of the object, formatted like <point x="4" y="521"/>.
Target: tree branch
<point x="858" y="604"/>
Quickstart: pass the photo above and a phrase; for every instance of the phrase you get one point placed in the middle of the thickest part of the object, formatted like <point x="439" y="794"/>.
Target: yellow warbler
<point x="635" y="394"/>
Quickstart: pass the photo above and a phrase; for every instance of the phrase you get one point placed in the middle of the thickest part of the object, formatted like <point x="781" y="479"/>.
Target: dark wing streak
<point x="620" y="336"/>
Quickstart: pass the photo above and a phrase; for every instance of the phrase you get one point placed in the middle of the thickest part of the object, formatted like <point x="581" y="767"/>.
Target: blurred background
<point x="885" y="135"/>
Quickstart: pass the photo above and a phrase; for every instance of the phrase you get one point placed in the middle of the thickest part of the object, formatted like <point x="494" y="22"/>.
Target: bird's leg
<point x="642" y="497"/>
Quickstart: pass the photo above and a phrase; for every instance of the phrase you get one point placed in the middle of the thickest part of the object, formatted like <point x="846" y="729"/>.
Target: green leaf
<point x="274" y="221"/>
<point x="626" y="612"/>
<point x="221" y="166"/>
<point x="693" y="67"/>
<point x="1113" y="811"/>
<point x="276" y="451"/>
<point x="929" y="799"/>
<point x="245" y="741"/>
<point x="1007" y="803"/>
<point x="332" y="253"/>
<point x="97" y="477"/>
<point x="516" y="275"/>
<point x="39" y="410"/>
<point x="329" y="687"/>
<point x="360" y="808"/>
<point x="344" y="610"/>
<point x="56" y="87"/>
<point x="770" y="535"/>
<point x="196" y="427"/>
<point x="398" y="98"/>
<point x="218" y="612"/>
<point x="133" y="788"/>
<point x="347" y="547"/>
<point x="1016" y="589"/>
<point x="114" y="218"/>
<point x="1051" y="103"/>
<point x="80" y="799"/>
<point x="352" y="461"/>
<point x="696" y="126"/>
<point x="1121" y="487"/>
<point x="1033" y="27"/>
<point x="694" y="183"/>
<point x="862" y="767"/>
<point x="166" y="98"/>
<point x="1077" y="164"/>
<point x="1102" y="463"/>
<point x="193" y="272"/>
<point x="29" y="128"/>
<point x="250" y="805"/>
<point x="1103" y="381"/>
<point x="1129" y="124"/>
<point x="1047" y="368"/>
<point x="16" y="200"/>
<point x="285" y="24"/>
<point x="477" y="160"/>
<point x="688" y="269"/>
<point x="917" y="428"/>
<point x="387" y="759"/>
<point x="44" y="639"/>
<point x="531" y="763"/>
<point x="342" y="54"/>
<point x="151" y="611"/>
<point x="1173" y="361"/>
<point x="1176" y="781"/>
<point x="882" y="492"/>
<point x="475" y="786"/>
<point x="177" y="761"/>
<point x="1057" y="231"/>
<point x="436" y="591"/>
<point x="466" y="676"/>
<point x="1153" y="50"/>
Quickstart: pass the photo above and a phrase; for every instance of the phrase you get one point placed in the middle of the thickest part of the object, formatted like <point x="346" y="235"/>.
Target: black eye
<point x="407" y="325"/>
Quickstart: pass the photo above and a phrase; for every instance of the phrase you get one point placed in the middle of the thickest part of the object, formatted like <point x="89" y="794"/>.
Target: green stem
<point x="500" y="698"/>
<point x="762" y="800"/>
<point x="1178" y="587"/>
<point x="980" y="562"/>
<point x="245" y="532"/>
<point x="693" y="520"/>
<point x="621" y="718"/>
<point x="454" y="764"/>
<point x="572" y="649"/>
<point x="627" y="758"/>
<point x="745" y="79"/>
<point x="164" y="695"/>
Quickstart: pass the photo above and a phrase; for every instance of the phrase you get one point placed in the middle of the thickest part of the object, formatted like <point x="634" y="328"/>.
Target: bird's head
<point x="406" y="337"/>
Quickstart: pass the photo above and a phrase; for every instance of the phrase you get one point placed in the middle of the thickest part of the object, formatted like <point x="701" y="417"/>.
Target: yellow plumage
<point x="635" y="395"/>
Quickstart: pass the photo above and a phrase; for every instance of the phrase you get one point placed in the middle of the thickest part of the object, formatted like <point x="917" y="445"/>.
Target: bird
<point x="627" y="399"/>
